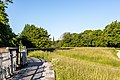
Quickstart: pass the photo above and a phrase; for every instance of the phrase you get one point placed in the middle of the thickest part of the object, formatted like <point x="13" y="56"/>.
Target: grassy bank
<point x="83" y="63"/>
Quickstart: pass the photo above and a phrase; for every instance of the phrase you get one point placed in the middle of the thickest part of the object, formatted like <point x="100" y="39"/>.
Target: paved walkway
<point x="37" y="69"/>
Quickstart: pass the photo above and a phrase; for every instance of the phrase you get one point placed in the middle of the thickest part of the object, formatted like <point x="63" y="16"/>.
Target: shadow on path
<point x="33" y="71"/>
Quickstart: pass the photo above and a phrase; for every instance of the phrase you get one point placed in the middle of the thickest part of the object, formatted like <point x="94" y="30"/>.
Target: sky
<point x="60" y="16"/>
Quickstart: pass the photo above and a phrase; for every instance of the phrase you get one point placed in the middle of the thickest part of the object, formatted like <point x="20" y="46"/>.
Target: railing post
<point x="11" y="58"/>
<point x="1" y="76"/>
<point x="24" y="57"/>
<point x="17" y="51"/>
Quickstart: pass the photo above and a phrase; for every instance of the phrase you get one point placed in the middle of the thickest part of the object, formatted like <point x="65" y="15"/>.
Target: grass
<point x="83" y="63"/>
<point x="40" y="54"/>
<point x="117" y="48"/>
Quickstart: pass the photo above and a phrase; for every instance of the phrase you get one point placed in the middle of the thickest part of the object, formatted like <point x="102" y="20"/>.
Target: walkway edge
<point x="49" y="71"/>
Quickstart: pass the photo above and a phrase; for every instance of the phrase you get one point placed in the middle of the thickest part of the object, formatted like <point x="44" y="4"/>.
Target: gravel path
<point x="37" y="69"/>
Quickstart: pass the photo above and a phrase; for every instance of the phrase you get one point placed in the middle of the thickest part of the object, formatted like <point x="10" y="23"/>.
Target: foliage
<point x="33" y="36"/>
<point x="3" y="16"/>
<point x="109" y="37"/>
<point x="84" y="63"/>
<point x="6" y="34"/>
<point x="112" y="34"/>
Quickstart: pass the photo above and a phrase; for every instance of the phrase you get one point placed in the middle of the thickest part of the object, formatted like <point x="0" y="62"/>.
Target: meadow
<point x="85" y="63"/>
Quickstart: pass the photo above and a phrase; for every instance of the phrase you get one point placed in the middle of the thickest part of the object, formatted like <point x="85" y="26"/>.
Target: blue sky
<point x="59" y="16"/>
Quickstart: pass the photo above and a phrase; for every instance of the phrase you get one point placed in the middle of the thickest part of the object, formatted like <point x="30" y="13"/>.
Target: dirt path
<point x="37" y="69"/>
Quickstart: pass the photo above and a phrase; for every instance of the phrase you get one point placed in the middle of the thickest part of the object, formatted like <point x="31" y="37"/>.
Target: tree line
<point x="108" y="37"/>
<point x="38" y="37"/>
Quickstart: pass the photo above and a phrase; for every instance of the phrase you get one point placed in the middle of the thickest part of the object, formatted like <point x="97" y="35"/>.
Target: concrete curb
<point x="49" y="71"/>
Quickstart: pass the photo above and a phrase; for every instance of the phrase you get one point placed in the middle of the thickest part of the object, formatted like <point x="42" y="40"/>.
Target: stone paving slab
<point x="37" y="69"/>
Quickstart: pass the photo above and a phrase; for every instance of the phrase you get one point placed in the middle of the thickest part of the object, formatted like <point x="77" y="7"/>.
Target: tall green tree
<point x="3" y="15"/>
<point x="36" y="37"/>
<point x="6" y="33"/>
<point x="112" y="34"/>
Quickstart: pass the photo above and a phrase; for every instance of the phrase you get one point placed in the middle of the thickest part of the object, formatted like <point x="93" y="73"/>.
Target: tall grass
<point x="40" y="54"/>
<point x="72" y="69"/>
<point x="99" y="55"/>
<point x="83" y="63"/>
